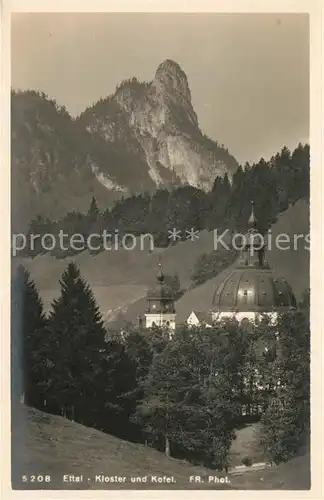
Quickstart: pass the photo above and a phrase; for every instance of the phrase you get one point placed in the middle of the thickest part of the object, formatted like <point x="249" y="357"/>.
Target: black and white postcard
<point x="161" y="301"/>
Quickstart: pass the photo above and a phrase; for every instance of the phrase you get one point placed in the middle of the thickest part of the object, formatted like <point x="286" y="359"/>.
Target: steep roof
<point x="203" y="317"/>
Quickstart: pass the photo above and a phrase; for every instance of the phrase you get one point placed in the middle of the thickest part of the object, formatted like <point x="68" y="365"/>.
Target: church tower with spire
<point x="252" y="288"/>
<point x="160" y="304"/>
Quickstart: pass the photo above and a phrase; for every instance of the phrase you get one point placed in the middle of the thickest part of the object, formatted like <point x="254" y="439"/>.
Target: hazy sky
<point x="248" y="73"/>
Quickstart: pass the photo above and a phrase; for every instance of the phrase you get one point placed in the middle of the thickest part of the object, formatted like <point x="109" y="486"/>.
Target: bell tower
<point x="160" y="304"/>
<point x="252" y="254"/>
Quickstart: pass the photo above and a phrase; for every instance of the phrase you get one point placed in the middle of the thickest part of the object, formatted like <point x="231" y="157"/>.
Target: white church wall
<point x="158" y="319"/>
<point x="241" y="315"/>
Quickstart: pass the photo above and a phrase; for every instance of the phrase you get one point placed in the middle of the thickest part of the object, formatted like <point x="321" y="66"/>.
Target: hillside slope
<point x="44" y="444"/>
<point x="293" y="475"/>
<point x="120" y="279"/>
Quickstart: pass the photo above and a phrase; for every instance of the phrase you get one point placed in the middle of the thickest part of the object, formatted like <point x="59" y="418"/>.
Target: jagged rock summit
<point x="172" y="83"/>
<point x="157" y="119"/>
<point x="170" y="75"/>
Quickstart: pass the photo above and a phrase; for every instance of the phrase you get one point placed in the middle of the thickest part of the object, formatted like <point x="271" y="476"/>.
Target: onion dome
<point x="160" y="291"/>
<point x="253" y="286"/>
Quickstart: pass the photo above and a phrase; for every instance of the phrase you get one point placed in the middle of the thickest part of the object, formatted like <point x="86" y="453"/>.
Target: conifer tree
<point x="93" y="212"/>
<point x="27" y="334"/>
<point x="117" y="392"/>
<point x="219" y="199"/>
<point x="75" y="347"/>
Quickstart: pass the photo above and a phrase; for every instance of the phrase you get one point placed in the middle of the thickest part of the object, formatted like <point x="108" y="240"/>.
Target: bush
<point x="210" y="265"/>
<point x="247" y="461"/>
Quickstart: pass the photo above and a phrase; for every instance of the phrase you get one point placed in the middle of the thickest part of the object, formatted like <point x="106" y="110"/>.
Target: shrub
<point x="247" y="461"/>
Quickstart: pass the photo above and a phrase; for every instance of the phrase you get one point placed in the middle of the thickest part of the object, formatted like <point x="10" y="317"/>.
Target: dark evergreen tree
<point x="93" y="212"/>
<point x="284" y="173"/>
<point x="219" y="200"/>
<point x="117" y="390"/>
<point x="27" y="337"/>
<point x="75" y="343"/>
<point x="300" y="182"/>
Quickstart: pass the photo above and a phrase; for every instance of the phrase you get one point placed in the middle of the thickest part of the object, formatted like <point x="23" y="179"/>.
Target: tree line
<point x="273" y="185"/>
<point x="182" y="394"/>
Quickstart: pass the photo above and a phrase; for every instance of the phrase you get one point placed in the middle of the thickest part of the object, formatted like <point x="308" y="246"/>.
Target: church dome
<point x="253" y="286"/>
<point x="253" y="290"/>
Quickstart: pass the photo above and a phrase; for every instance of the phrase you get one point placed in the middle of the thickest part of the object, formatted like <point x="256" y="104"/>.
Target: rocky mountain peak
<point x="143" y="136"/>
<point x="156" y="121"/>
<point x="171" y="78"/>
